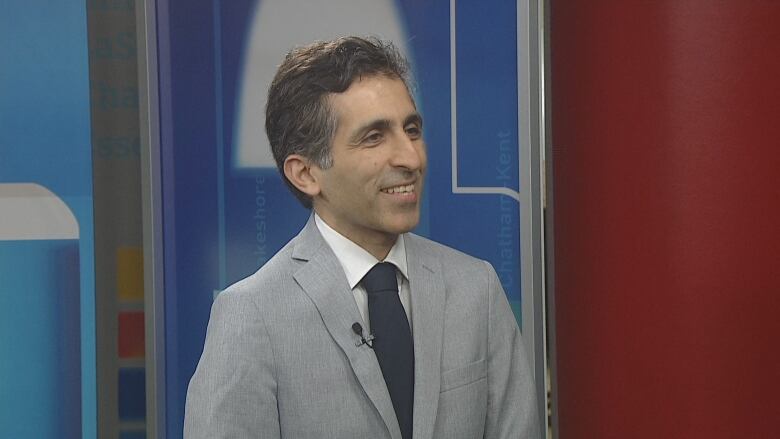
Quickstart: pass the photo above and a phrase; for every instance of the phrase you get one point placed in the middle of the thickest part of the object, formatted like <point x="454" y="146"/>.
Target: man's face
<point x="372" y="191"/>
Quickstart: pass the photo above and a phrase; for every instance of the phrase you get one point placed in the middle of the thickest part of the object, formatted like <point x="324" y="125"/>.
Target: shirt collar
<point x="354" y="259"/>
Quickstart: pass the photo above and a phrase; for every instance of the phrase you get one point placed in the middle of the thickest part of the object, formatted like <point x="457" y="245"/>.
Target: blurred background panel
<point x="47" y="294"/>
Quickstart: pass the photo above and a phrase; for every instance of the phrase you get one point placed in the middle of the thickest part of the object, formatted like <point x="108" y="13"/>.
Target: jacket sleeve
<point x="233" y="391"/>
<point x="511" y="411"/>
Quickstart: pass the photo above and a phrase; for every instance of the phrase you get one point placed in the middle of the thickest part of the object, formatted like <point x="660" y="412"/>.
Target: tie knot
<point x="381" y="278"/>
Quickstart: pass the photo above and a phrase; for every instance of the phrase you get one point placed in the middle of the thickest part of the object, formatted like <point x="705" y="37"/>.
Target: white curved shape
<point x="280" y="25"/>
<point x="29" y="211"/>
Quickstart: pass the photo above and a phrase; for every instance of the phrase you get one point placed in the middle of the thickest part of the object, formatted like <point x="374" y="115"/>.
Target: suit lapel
<point x="427" y="293"/>
<point x="322" y="279"/>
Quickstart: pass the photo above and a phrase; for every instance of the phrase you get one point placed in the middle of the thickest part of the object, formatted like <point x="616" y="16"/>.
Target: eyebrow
<point x="382" y="124"/>
<point x="378" y="124"/>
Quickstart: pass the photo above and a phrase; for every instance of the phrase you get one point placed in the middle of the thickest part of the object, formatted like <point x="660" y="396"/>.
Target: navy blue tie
<point x="393" y="344"/>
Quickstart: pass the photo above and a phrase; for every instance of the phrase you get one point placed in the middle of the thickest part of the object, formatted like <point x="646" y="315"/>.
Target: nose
<point x="409" y="153"/>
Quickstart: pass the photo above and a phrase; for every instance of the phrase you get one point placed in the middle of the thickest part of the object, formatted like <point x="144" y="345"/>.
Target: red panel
<point x="131" y="334"/>
<point x="665" y="128"/>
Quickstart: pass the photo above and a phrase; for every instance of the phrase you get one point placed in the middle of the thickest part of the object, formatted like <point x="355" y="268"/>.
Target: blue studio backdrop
<point x="227" y="211"/>
<point x="47" y="291"/>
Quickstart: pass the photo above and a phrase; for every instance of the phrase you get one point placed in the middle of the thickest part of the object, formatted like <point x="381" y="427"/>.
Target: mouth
<point x="401" y="189"/>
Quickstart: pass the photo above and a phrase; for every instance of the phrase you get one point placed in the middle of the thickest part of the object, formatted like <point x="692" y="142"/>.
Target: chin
<point x="403" y="225"/>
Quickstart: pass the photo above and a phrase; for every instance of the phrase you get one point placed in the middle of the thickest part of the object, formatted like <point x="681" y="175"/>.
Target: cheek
<point x="423" y="155"/>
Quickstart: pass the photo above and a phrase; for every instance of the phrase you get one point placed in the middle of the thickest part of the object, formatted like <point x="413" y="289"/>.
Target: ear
<point x="298" y="169"/>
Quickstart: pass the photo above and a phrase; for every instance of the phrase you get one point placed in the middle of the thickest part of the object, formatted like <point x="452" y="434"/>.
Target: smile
<point x="399" y="189"/>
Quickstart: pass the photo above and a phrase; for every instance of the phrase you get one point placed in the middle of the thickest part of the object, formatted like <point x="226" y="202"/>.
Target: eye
<point x="372" y="138"/>
<point x="414" y="131"/>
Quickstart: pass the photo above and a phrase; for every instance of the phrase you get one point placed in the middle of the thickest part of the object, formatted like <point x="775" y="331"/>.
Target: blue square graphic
<point x="132" y="394"/>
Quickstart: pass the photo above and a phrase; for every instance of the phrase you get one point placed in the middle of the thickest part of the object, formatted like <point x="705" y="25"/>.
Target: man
<point x="325" y="341"/>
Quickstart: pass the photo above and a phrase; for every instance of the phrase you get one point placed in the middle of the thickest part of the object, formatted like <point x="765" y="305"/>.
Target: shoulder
<point x="454" y="263"/>
<point x="417" y="242"/>
<point x="273" y="278"/>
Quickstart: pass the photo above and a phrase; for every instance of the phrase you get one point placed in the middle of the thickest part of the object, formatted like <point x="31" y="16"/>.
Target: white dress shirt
<point x="356" y="262"/>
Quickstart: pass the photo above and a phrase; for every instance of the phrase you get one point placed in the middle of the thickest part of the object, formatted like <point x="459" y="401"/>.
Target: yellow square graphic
<point x="130" y="274"/>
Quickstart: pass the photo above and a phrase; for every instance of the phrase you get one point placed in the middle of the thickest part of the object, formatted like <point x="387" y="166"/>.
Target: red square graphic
<point x="130" y="337"/>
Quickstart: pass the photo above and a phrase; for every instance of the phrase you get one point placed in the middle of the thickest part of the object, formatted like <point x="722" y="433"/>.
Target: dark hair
<point x="298" y="117"/>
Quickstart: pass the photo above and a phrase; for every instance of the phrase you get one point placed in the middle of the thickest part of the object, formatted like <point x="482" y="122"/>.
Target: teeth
<point x="399" y="189"/>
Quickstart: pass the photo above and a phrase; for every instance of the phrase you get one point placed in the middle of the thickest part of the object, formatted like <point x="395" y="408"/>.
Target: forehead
<point x="372" y="97"/>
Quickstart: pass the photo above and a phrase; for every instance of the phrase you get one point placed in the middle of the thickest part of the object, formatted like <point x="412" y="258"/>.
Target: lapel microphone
<point x="358" y="329"/>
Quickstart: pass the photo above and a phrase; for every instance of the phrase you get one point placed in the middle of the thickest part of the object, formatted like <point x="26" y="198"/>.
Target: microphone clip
<point x="368" y="341"/>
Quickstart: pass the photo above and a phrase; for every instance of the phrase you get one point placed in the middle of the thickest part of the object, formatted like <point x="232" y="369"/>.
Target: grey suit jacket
<point x="281" y="359"/>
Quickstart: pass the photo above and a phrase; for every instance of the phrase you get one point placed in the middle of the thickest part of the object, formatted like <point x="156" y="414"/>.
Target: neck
<point x="379" y="250"/>
<point x="377" y="243"/>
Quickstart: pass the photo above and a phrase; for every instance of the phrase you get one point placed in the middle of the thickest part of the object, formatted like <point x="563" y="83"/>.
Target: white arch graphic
<point x="33" y="212"/>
